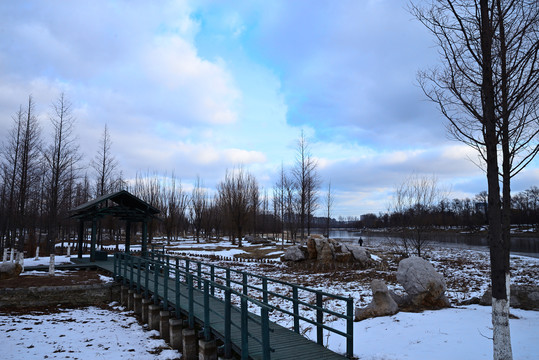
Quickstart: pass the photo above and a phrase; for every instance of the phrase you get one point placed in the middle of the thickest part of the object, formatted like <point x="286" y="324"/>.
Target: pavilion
<point x="121" y="204"/>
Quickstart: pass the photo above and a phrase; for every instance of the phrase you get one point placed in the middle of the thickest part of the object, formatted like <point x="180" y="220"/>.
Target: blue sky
<point x="198" y="87"/>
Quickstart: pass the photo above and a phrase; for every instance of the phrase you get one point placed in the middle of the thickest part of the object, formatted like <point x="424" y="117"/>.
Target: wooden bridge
<point x="205" y="295"/>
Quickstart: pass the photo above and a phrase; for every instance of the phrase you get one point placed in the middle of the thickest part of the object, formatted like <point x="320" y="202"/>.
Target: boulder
<point x="382" y="303"/>
<point x="359" y="253"/>
<point x="10" y="270"/>
<point x="293" y="253"/>
<point x="325" y="255"/>
<point x="342" y="257"/>
<point x="524" y="297"/>
<point x="311" y="249"/>
<point x="424" y="286"/>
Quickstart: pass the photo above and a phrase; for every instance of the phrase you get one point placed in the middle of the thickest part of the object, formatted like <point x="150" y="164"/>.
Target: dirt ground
<point x="60" y="279"/>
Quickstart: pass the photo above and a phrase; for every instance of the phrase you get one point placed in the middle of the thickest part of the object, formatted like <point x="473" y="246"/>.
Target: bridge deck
<point x="286" y="343"/>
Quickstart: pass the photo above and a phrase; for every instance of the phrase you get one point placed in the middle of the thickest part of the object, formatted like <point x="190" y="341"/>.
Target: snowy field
<point x="89" y="333"/>
<point x="462" y="332"/>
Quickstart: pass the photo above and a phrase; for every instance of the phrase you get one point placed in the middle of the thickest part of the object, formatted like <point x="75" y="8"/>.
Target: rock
<point x="325" y="255"/>
<point x="382" y="303"/>
<point x="343" y="257"/>
<point x="425" y="287"/>
<point x="359" y="253"/>
<point x="293" y="253"/>
<point x="524" y="297"/>
<point x="311" y="249"/>
<point x="9" y="270"/>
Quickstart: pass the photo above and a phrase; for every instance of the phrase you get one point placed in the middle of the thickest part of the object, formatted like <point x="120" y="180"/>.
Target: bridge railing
<point x="138" y="272"/>
<point x="257" y="287"/>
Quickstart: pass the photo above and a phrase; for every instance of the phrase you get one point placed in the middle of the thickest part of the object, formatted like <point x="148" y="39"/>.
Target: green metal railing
<point x="255" y="287"/>
<point x="137" y="272"/>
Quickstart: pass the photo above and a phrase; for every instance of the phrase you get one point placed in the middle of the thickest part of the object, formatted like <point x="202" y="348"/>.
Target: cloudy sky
<point x="198" y="87"/>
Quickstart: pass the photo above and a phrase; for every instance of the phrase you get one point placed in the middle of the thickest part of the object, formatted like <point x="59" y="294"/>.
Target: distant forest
<point x="43" y="177"/>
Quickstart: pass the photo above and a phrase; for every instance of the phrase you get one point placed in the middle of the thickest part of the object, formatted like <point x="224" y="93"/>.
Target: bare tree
<point x="236" y="194"/>
<point x="329" y="205"/>
<point x="104" y="165"/>
<point x="61" y="157"/>
<point x="488" y="91"/>
<point x="199" y="202"/>
<point x="414" y="200"/>
<point x="307" y="182"/>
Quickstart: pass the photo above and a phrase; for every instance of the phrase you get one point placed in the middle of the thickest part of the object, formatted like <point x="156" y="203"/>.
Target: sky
<point x="199" y="87"/>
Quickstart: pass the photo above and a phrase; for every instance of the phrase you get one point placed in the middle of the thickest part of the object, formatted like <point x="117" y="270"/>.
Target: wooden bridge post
<point x="137" y="303"/>
<point x="175" y="327"/>
<point x="207" y="349"/>
<point x="153" y="316"/>
<point x="164" y="317"/>
<point x="130" y="299"/>
<point x="145" y="307"/>
<point x="189" y="344"/>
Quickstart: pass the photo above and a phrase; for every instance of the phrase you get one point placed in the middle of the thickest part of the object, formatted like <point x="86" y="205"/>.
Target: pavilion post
<point x="81" y="235"/>
<point x="92" y="244"/>
<point x="144" y="238"/>
<point x="127" y="236"/>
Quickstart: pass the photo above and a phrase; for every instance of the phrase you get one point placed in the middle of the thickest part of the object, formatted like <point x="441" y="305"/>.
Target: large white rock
<point x="293" y="253"/>
<point x="359" y="253"/>
<point x="382" y="303"/>
<point x="425" y="287"/>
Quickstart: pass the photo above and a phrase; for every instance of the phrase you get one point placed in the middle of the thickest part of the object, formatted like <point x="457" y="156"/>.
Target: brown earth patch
<point x="60" y="279"/>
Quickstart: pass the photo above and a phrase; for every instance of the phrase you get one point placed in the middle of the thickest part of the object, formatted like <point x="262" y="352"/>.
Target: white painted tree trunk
<point x="12" y="257"/>
<point x="500" y="323"/>
<point x="51" y="265"/>
<point x="68" y="250"/>
<point x="37" y="252"/>
<point x="4" y="259"/>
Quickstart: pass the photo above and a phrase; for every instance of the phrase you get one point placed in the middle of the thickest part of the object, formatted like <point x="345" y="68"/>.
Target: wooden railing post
<point x="265" y="290"/>
<point x="350" y="327"/>
<point x="228" y="324"/>
<point x="156" y="283"/>
<point x="319" y="319"/>
<point x="207" y="329"/>
<point x="146" y="277"/>
<point x="125" y="269"/>
<point x="244" y="284"/>
<point x="295" y="306"/>
<point x="177" y="285"/>
<point x="191" y="301"/>
<point x="244" y="329"/>
<point x="139" y="261"/>
<point x="114" y="271"/>
<point x="264" y="314"/>
<point x="199" y="274"/>
<point x="131" y="275"/>
<point x="165" y="287"/>
<point x="212" y="277"/>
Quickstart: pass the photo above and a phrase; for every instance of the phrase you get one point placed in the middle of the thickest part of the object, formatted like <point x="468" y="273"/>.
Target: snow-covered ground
<point x="462" y="332"/>
<point x="89" y="333"/>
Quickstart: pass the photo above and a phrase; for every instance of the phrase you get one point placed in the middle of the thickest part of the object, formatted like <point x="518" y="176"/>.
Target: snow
<point x="461" y="332"/>
<point x="88" y="333"/>
<point x="457" y="333"/>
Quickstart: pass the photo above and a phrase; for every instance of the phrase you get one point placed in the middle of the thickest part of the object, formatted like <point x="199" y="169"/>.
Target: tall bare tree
<point x="488" y="91"/>
<point x="329" y="206"/>
<point x="61" y="157"/>
<point x="199" y="202"/>
<point x="236" y="194"/>
<point x="104" y="165"/>
<point x="307" y="182"/>
<point x="414" y="200"/>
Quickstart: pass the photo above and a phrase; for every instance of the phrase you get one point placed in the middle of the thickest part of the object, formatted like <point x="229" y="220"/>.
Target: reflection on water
<point x="519" y="245"/>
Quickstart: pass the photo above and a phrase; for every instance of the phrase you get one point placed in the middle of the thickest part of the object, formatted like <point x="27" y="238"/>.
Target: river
<point x="520" y="245"/>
